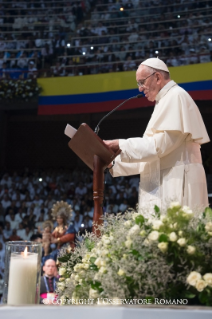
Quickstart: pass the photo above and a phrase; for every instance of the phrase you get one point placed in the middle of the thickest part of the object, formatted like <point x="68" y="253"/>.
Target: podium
<point x="97" y="156"/>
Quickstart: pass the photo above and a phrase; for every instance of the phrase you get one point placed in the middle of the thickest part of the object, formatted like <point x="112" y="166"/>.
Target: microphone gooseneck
<point x="133" y="97"/>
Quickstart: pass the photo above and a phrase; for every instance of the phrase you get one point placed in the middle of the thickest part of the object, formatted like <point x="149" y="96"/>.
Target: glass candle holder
<point x="22" y="273"/>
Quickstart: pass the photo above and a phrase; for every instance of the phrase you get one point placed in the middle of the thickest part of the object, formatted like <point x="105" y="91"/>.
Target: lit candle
<point x="22" y="278"/>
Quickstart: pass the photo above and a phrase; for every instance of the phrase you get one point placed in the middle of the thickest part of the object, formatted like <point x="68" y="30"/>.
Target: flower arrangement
<point x="165" y="256"/>
<point x="21" y="89"/>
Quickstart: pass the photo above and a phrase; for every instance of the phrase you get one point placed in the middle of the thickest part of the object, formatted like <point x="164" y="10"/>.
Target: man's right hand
<point x="113" y="144"/>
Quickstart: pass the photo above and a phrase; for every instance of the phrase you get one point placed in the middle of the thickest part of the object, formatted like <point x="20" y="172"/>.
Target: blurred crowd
<point x="67" y="38"/>
<point x="26" y="201"/>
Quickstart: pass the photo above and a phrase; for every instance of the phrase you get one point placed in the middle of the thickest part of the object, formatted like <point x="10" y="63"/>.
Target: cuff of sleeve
<point x="125" y="157"/>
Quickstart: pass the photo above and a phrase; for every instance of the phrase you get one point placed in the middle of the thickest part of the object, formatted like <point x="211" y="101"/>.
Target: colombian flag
<point x="103" y="92"/>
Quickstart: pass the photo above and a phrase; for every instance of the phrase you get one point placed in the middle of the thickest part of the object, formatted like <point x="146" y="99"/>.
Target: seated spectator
<point x="204" y="55"/>
<point x="32" y="70"/>
<point x="129" y="65"/>
<point x="27" y="233"/>
<point x="23" y="61"/>
<point x="14" y="236"/>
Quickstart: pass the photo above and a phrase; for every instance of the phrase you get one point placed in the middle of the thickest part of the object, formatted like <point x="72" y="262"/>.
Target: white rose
<point x="102" y="270"/>
<point x="72" y="276"/>
<point x="163" y="247"/>
<point x="191" y="250"/>
<point x="153" y="235"/>
<point x="208" y="227"/>
<point x="180" y="233"/>
<point x="121" y="272"/>
<point x="77" y="267"/>
<point x="62" y="271"/>
<point x="128" y="243"/>
<point x="208" y="278"/>
<point x="200" y="285"/>
<point x="156" y="224"/>
<point x="97" y="262"/>
<point x="68" y="280"/>
<point x="93" y="294"/>
<point x="77" y="278"/>
<point x="181" y="242"/>
<point x="106" y="241"/>
<point x="127" y="223"/>
<point x="134" y="230"/>
<point x="193" y="277"/>
<point x="175" y="205"/>
<point x="173" y="236"/>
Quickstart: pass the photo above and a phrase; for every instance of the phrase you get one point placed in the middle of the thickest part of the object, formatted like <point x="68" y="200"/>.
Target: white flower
<point x="62" y="271"/>
<point x="191" y="250"/>
<point x="134" y="230"/>
<point x="200" y="285"/>
<point x="102" y="262"/>
<point x="163" y="247"/>
<point x="181" y="242"/>
<point x="102" y="270"/>
<point x="78" y="267"/>
<point x="68" y="280"/>
<point x="188" y="211"/>
<point x="153" y="235"/>
<point x="127" y="223"/>
<point x="175" y="205"/>
<point x="173" y="236"/>
<point x="121" y="272"/>
<point x="128" y="243"/>
<point x="61" y="285"/>
<point x="73" y="276"/>
<point x="104" y="252"/>
<point x="86" y="266"/>
<point x="163" y="218"/>
<point x="193" y="277"/>
<point x="93" y="294"/>
<point x="208" y="278"/>
<point x="146" y="242"/>
<point x="77" y="278"/>
<point x="180" y="233"/>
<point x="156" y="224"/>
<point x="98" y="262"/>
<point x="142" y="233"/>
<point x="208" y="227"/>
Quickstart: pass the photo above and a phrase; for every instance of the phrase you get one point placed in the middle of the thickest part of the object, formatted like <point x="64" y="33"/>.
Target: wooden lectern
<point x="97" y="156"/>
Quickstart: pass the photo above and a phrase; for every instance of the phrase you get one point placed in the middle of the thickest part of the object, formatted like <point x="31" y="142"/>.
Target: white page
<point x="70" y="131"/>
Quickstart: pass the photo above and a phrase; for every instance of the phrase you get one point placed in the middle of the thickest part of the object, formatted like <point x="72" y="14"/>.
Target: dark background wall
<point x="39" y="141"/>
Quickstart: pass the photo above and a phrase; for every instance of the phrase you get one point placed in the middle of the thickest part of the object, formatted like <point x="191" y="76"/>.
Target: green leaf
<point x="93" y="267"/>
<point x="92" y="260"/>
<point x="208" y="212"/>
<point x="203" y="297"/>
<point x="163" y="238"/>
<point x="89" y="244"/>
<point x="96" y="285"/>
<point x="139" y="220"/>
<point x="157" y="209"/>
<point x="64" y="258"/>
<point x="189" y="295"/>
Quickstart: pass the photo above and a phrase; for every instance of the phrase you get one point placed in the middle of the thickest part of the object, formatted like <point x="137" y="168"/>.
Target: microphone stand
<point x="97" y="129"/>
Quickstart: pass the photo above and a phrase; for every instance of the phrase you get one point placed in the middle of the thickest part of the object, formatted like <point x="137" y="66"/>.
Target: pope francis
<point x="168" y="156"/>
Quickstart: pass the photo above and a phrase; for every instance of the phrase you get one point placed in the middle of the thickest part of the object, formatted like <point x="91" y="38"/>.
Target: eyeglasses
<point x="140" y="84"/>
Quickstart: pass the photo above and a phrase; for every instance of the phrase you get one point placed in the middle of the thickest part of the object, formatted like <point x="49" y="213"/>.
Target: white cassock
<point x="168" y="156"/>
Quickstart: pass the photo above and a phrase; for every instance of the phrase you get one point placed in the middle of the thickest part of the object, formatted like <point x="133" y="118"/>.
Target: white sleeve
<point x="145" y="149"/>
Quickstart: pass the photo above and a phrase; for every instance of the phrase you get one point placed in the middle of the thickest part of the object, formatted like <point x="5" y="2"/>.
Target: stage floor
<point x="105" y="312"/>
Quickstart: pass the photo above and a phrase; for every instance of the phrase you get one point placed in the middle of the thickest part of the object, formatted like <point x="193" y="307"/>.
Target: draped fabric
<point x="168" y="156"/>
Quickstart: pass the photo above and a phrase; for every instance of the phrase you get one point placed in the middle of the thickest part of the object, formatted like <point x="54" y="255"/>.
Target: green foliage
<point x="137" y="257"/>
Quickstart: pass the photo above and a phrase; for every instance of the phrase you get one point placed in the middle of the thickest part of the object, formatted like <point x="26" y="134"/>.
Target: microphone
<point x="133" y="97"/>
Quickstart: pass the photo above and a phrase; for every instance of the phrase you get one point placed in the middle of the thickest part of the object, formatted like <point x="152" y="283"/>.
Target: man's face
<point x="151" y="86"/>
<point x="49" y="268"/>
